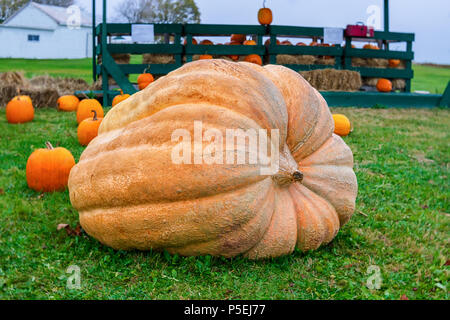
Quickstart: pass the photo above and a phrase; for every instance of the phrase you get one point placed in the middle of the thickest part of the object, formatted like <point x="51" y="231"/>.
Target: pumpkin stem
<point x="297" y="176"/>
<point x="49" y="145"/>
<point x="95" y="115"/>
<point x="264" y="3"/>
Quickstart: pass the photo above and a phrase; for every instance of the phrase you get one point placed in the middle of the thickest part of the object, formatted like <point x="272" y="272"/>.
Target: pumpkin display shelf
<point x="179" y="41"/>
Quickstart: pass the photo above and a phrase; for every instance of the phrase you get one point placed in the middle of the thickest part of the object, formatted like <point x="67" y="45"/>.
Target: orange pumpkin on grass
<point x="384" y="85"/>
<point x="85" y="108"/>
<point x="120" y="97"/>
<point x="88" y="129"/>
<point x="23" y="97"/>
<point x="342" y="125"/>
<point x="19" y="110"/>
<point x="217" y="209"/>
<point x="144" y="80"/>
<point x="68" y="103"/>
<point x="249" y="43"/>
<point x="48" y="169"/>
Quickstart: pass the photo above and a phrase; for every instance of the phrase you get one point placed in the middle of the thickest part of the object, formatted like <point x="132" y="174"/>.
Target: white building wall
<point x="61" y="43"/>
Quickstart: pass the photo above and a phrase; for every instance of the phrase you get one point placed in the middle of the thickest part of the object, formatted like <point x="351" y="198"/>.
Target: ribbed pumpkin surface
<point x="130" y="194"/>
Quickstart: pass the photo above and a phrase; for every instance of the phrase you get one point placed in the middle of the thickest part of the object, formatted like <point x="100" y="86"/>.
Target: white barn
<point x="38" y="31"/>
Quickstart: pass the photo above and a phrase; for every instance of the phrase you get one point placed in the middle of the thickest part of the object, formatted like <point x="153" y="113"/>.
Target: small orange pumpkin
<point x="48" y="169"/>
<point x="206" y="42"/>
<point x="68" y="103"/>
<point x="88" y="129"/>
<point x="394" y="63"/>
<point x="370" y="47"/>
<point x="286" y="43"/>
<point x="384" y="85"/>
<point x="314" y="44"/>
<point x="85" y="108"/>
<point x="267" y="43"/>
<point x="342" y="126"/>
<point x="144" y="80"/>
<point x="19" y="110"/>
<point x="120" y="97"/>
<point x="265" y="16"/>
<point x="23" y="97"/>
<point x="237" y="38"/>
<point x="301" y="44"/>
<point x="253" y="58"/>
<point x="249" y="43"/>
<point x="194" y="41"/>
<point x="205" y="57"/>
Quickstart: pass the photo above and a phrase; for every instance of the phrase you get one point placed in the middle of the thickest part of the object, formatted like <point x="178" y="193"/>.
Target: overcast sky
<point x="429" y="20"/>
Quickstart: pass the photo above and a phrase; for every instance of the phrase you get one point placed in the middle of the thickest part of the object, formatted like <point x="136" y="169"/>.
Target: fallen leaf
<point x="349" y="265"/>
<point x="404" y="297"/>
<point x="62" y="226"/>
<point x="424" y="206"/>
<point x="69" y="230"/>
<point x="2" y="191"/>
<point x="447" y="263"/>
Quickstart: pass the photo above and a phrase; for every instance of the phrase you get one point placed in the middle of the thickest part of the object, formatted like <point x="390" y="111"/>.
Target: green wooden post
<point x="94" y="58"/>
<point x="273" y="43"/>
<point x="445" y="100"/>
<point x="408" y="66"/>
<point x="386" y="22"/>
<point x="105" y="85"/>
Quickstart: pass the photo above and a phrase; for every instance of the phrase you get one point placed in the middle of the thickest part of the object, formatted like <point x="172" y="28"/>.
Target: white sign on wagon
<point x="142" y="33"/>
<point x="333" y="35"/>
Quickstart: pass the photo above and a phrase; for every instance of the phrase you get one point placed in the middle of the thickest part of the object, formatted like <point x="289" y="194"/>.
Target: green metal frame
<point x="119" y="71"/>
<point x="385" y="38"/>
<point x="191" y="30"/>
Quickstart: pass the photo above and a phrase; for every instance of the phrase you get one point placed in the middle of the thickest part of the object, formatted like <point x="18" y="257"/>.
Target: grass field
<point x="429" y="78"/>
<point x="401" y="225"/>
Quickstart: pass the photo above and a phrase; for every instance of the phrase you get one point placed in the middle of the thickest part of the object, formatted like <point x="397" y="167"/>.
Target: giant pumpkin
<point x="130" y="194"/>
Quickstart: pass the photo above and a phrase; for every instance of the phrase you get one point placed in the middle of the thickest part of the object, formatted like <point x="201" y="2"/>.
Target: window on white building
<point x="33" y="37"/>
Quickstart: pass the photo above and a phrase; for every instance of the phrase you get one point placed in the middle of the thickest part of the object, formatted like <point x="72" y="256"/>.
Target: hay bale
<point x="371" y="82"/>
<point x="44" y="90"/>
<point x="151" y="58"/>
<point x="333" y="80"/>
<point x="41" y="97"/>
<point x="325" y="61"/>
<point x="286" y="59"/>
<point x="305" y="59"/>
<point x="370" y="62"/>
<point x="398" y="84"/>
<point x="13" y="78"/>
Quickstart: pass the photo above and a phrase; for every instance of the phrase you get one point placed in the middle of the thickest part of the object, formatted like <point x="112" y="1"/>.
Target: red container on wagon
<point x="359" y="30"/>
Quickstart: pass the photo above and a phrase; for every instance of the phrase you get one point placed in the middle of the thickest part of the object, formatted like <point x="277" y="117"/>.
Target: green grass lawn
<point x="401" y="225"/>
<point x="432" y="79"/>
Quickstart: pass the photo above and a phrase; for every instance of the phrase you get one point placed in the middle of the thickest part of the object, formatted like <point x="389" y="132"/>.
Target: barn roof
<point x="58" y="14"/>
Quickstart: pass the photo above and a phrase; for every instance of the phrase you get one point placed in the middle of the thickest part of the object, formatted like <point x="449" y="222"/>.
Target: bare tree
<point x="59" y="3"/>
<point x="8" y="7"/>
<point x="159" y="11"/>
